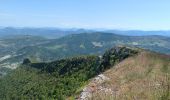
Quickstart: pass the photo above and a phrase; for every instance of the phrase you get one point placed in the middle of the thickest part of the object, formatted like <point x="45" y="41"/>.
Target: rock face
<point x="95" y="86"/>
<point x="115" y="55"/>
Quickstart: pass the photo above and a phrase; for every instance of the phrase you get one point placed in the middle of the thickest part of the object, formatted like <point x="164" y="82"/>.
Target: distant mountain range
<point x="140" y="33"/>
<point x="58" y="32"/>
<point x="44" y="32"/>
<point x="38" y="49"/>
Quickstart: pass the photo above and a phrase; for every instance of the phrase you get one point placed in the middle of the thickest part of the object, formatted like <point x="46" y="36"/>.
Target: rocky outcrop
<point x="95" y="86"/>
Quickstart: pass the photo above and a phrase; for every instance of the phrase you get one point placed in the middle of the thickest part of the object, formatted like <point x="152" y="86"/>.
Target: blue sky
<point x="108" y="14"/>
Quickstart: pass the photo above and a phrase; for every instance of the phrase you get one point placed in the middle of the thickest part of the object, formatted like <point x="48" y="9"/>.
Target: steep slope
<point x="59" y="79"/>
<point x="145" y="76"/>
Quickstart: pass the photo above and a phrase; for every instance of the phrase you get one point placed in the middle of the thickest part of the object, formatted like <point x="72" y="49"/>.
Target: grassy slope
<point x="143" y="77"/>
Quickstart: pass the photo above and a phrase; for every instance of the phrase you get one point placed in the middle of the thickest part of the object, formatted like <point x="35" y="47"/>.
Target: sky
<point x="101" y="14"/>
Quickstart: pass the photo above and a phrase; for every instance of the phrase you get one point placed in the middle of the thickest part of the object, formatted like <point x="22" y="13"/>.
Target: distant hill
<point x="60" y="32"/>
<point x="94" y="43"/>
<point x="38" y="49"/>
<point x="140" y="33"/>
<point x="43" y="32"/>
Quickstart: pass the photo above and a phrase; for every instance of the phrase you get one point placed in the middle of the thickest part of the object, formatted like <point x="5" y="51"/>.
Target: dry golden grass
<point x="143" y="77"/>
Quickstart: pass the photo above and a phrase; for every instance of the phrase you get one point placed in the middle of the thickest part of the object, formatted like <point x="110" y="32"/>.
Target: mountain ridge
<point x="144" y="76"/>
<point x="118" y="74"/>
<point x="58" y="79"/>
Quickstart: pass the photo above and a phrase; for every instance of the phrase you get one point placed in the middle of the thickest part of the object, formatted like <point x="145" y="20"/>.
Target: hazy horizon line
<point x="85" y="28"/>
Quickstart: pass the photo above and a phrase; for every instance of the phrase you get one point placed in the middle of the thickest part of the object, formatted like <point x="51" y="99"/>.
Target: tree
<point x="26" y="61"/>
